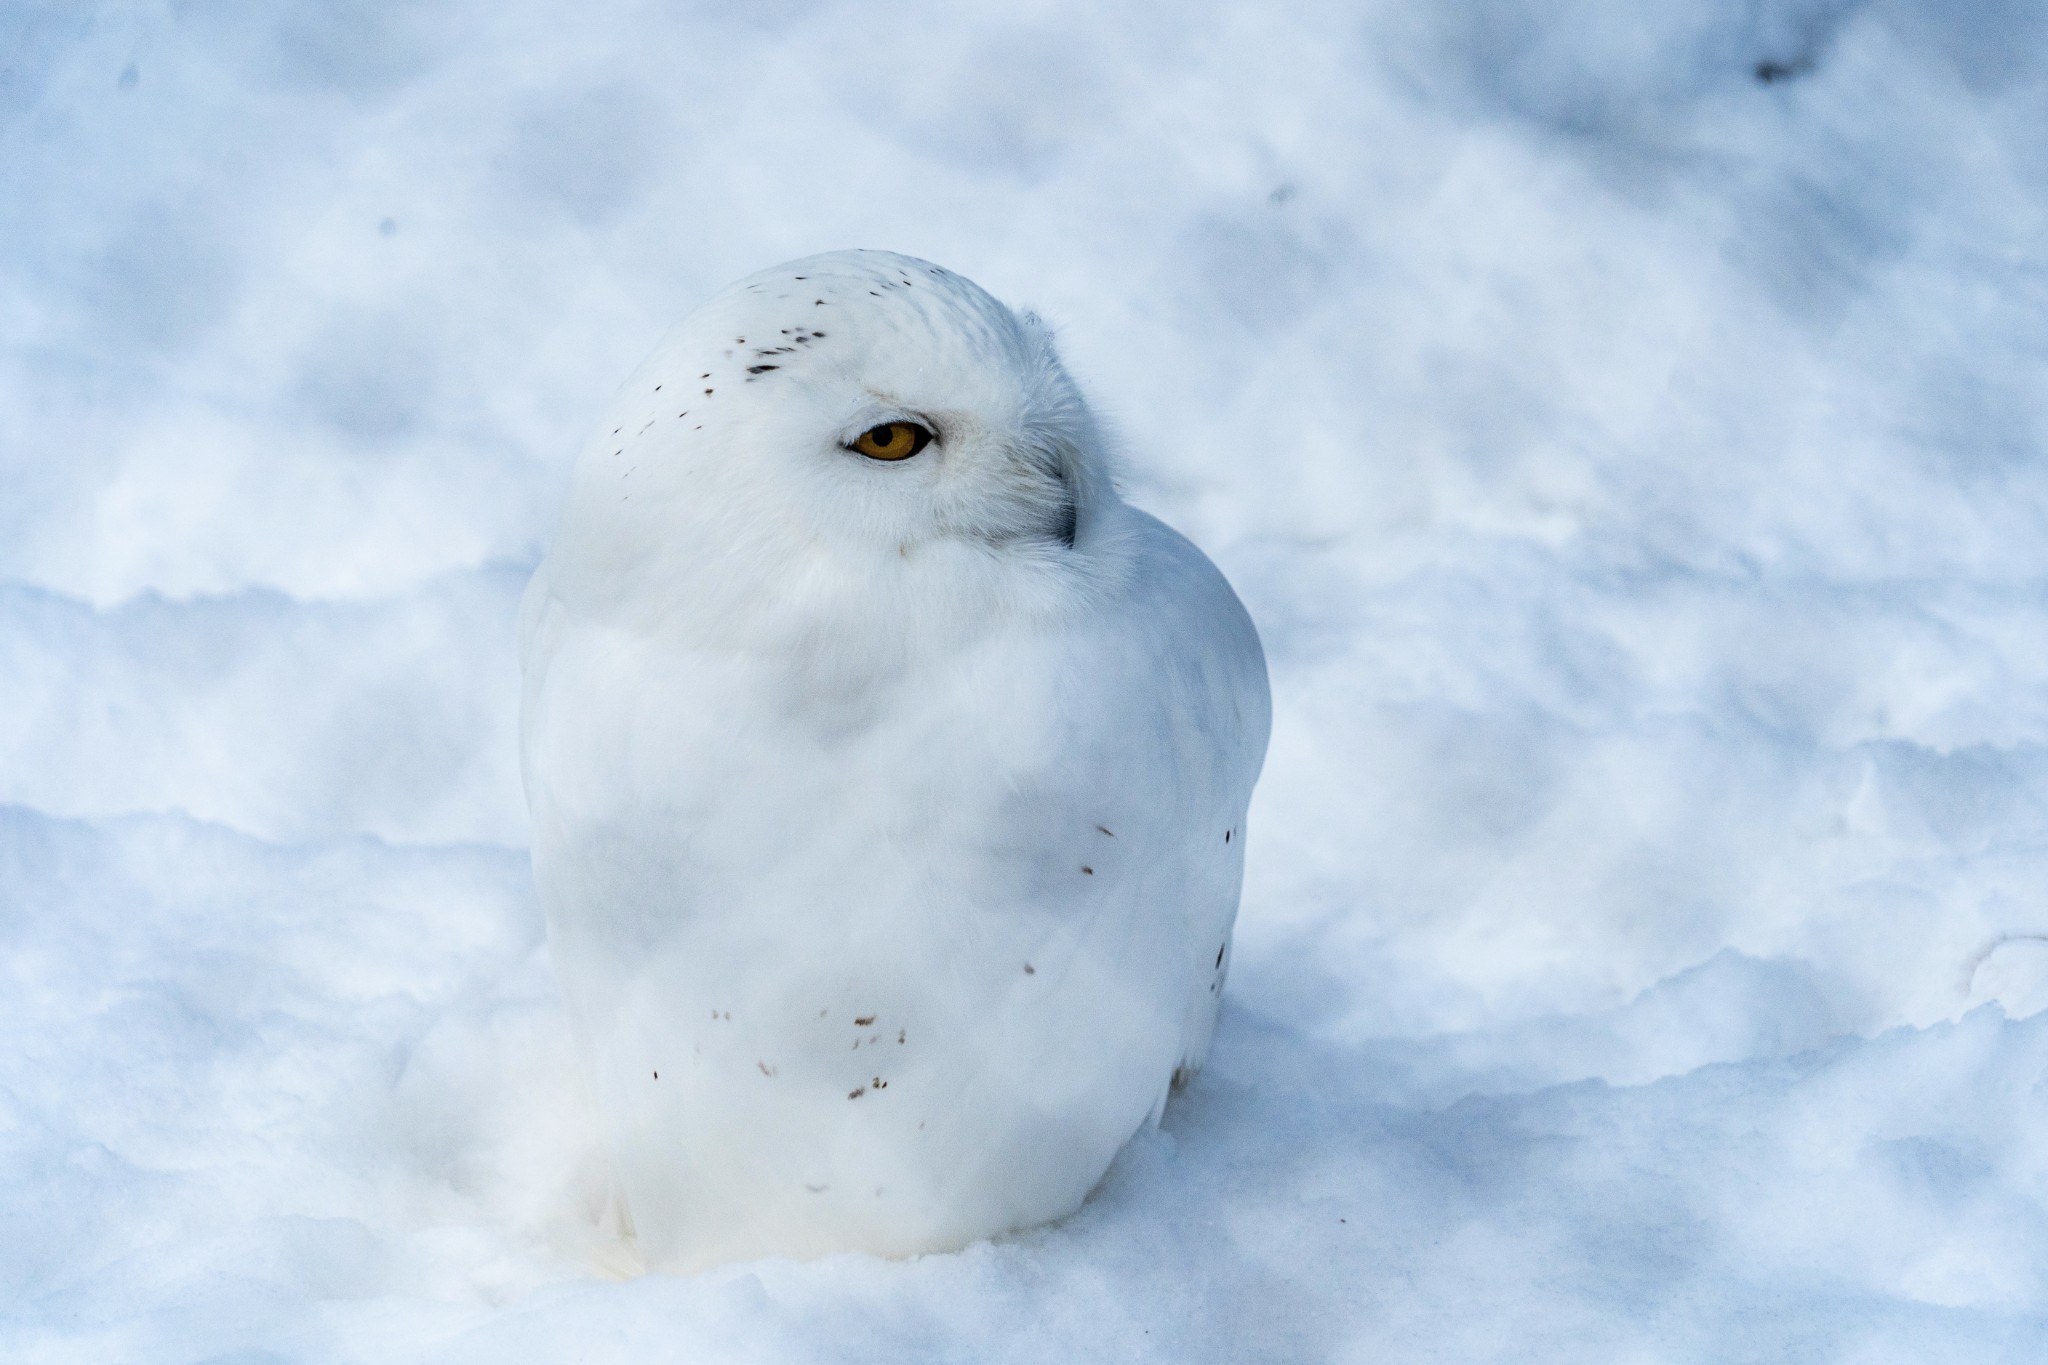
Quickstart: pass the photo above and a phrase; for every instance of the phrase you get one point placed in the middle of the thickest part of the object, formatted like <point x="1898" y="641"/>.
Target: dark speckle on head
<point x="821" y="303"/>
<point x="1089" y="870"/>
<point x="1030" y="970"/>
<point x="707" y="393"/>
<point x="1770" y="72"/>
<point x="864" y="1022"/>
<point x="857" y="1092"/>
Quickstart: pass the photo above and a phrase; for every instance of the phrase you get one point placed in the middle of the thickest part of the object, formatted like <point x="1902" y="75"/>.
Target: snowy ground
<point x="1625" y="422"/>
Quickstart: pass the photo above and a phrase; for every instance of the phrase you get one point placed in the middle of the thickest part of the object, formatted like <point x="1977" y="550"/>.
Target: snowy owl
<point x="888" y="775"/>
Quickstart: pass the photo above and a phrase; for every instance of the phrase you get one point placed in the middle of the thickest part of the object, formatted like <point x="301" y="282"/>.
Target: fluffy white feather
<point x="889" y="816"/>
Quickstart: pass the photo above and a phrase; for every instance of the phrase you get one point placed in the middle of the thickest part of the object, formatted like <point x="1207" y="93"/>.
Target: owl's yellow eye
<point x="892" y="441"/>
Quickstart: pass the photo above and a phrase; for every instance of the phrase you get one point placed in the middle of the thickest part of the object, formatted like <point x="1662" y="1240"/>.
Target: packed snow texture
<point x="1624" y="421"/>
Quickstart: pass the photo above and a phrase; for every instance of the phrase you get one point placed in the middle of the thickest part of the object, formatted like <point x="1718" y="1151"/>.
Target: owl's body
<point x="888" y="814"/>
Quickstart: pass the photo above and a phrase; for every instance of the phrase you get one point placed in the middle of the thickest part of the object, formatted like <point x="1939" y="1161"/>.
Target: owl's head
<point x="859" y="418"/>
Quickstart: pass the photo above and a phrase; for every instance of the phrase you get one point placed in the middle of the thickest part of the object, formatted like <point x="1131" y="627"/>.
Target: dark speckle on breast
<point x="1770" y="72"/>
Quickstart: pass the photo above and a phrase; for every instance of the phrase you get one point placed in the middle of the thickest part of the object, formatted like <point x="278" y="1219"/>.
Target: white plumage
<point x="888" y="813"/>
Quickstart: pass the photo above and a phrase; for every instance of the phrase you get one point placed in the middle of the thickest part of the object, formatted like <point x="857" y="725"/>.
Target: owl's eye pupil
<point x="883" y="436"/>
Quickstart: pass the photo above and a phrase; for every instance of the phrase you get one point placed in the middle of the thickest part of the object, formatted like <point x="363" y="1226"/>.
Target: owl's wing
<point x="1202" y="694"/>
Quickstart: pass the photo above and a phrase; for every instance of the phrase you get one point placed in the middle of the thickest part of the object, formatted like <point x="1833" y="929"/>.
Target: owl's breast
<point x="685" y="795"/>
<point x="880" y="945"/>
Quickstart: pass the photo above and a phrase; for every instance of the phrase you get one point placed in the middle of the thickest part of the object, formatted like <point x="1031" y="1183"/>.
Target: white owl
<point x="888" y="774"/>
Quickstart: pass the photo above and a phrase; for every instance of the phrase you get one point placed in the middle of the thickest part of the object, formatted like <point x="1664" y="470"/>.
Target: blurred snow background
<point x="1626" y="423"/>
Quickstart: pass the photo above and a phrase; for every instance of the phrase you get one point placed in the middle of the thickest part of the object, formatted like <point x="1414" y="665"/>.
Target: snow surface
<point x="1625" y="421"/>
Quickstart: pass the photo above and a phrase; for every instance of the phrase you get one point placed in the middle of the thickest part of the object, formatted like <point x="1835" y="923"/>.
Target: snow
<point x="1634" y="465"/>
